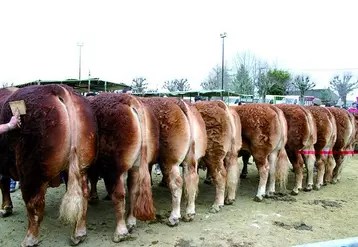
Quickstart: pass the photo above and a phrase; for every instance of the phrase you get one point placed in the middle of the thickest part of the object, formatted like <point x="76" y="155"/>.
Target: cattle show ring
<point x="228" y="174"/>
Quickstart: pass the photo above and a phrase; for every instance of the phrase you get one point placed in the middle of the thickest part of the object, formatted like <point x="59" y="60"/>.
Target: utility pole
<point x="89" y="81"/>
<point x="79" y="44"/>
<point x="223" y="36"/>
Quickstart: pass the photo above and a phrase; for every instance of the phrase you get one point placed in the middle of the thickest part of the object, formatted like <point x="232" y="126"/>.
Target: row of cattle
<point x="118" y="135"/>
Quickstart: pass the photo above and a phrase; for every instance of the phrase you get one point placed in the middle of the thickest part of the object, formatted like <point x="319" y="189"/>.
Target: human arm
<point x="14" y="123"/>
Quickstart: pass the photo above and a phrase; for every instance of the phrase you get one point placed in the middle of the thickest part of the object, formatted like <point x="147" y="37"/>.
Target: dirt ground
<point x="284" y="221"/>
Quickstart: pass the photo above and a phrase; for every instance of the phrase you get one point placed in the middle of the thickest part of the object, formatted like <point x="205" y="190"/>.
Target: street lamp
<point x="79" y="44"/>
<point x="223" y="36"/>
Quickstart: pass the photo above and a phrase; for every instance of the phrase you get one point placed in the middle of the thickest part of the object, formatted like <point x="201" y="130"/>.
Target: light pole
<point x="79" y="44"/>
<point x="223" y="36"/>
<point x="89" y="81"/>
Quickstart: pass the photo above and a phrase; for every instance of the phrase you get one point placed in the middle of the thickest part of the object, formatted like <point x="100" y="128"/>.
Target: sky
<point x="165" y="40"/>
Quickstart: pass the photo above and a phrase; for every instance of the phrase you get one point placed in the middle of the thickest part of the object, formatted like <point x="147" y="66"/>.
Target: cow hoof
<point x="269" y="194"/>
<point x="229" y="201"/>
<point x="334" y="181"/>
<point x="7" y="211"/>
<point x="308" y="188"/>
<point x="93" y="199"/>
<point x="243" y="175"/>
<point x="317" y="187"/>
<point x="121" y="237"/>
<point x="208" y="182"/>
<point x="294" y="192"/>
<point x="215" y="208"/>
<point x="130" y="228"/>
<point x="77" y="240"/>
<point x="173" y="222"/>
<point x="258" y="198"/>
<point x="188" y="217"/>
<point x="29" y="241"/>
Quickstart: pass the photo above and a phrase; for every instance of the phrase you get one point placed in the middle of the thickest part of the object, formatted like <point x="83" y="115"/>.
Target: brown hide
<point x="302" y="135"/>
<point x="125" y="135"/>
<point x="345" y="138"/>
<point x="264" y="136"/>
<point x="326" y="138"/>
<point x="223" y="131"/>
<point x="174" y="129"/>
<point x="57" y="133"/>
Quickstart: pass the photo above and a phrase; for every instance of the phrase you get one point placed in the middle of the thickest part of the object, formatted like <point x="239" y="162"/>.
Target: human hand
<point x="15" y="121"/>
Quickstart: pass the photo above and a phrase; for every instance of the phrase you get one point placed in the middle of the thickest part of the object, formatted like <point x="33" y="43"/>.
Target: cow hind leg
<point x="297" y="167"/>
<point x="132" y="187"/>
<point x="310" y="160"/>
<point x="272" y="159"/>
<point x="140" y="196"/>
<point x="330" y="166"/>
<point x="175" y="183"/>
<point x="263" y="166"/>
<point x="80" y="231"/>
<point x="35" y="205"/>
<point x="6" y="207"/>
<point x="217" y="170"/>
<point x="118" y="198"/>
<point x="245" y="160"/>
<point x="320" y="161"/>
<point x="336" y="173"/>
<point x="232" y="168"/>
<point x="93" y="178"/>
<point x="191" y="181"/>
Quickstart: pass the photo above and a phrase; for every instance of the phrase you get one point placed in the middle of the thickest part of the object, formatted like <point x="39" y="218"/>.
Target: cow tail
<point x="73" y="202"/>
<point x="143" y="199"/>
<point x="71" y="209"/>
<point x="282" y="166"/>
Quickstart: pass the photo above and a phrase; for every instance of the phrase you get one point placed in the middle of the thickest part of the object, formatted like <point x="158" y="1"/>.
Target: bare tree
<point x="255" y="66"/>
<point x="213" y="81"/>
<point x="303" y="83"/>
<point x="139" y="85"/>
<point x="250" y="62"/>
<point x="7" y="84"/>
<point x="177" y="85"/>
<point x="343" y="86"/>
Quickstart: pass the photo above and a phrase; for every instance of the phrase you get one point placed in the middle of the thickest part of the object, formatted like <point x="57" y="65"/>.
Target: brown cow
<point x="58" y="133"/>
<point x="326" y="138"/>
<point x="223" y="131"/>
<point x="264" y="135"/>
<point x="127" y="143"/>
<point x="182" y="141"/>
<point x="344" y="144"/>
<point x="302" y="135"/>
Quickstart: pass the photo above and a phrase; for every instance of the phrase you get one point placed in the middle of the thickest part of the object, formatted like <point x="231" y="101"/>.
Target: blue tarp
<point x="346" y="242"/>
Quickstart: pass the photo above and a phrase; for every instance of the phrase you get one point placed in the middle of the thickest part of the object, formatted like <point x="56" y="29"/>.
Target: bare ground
<point x="283" y="221"/>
